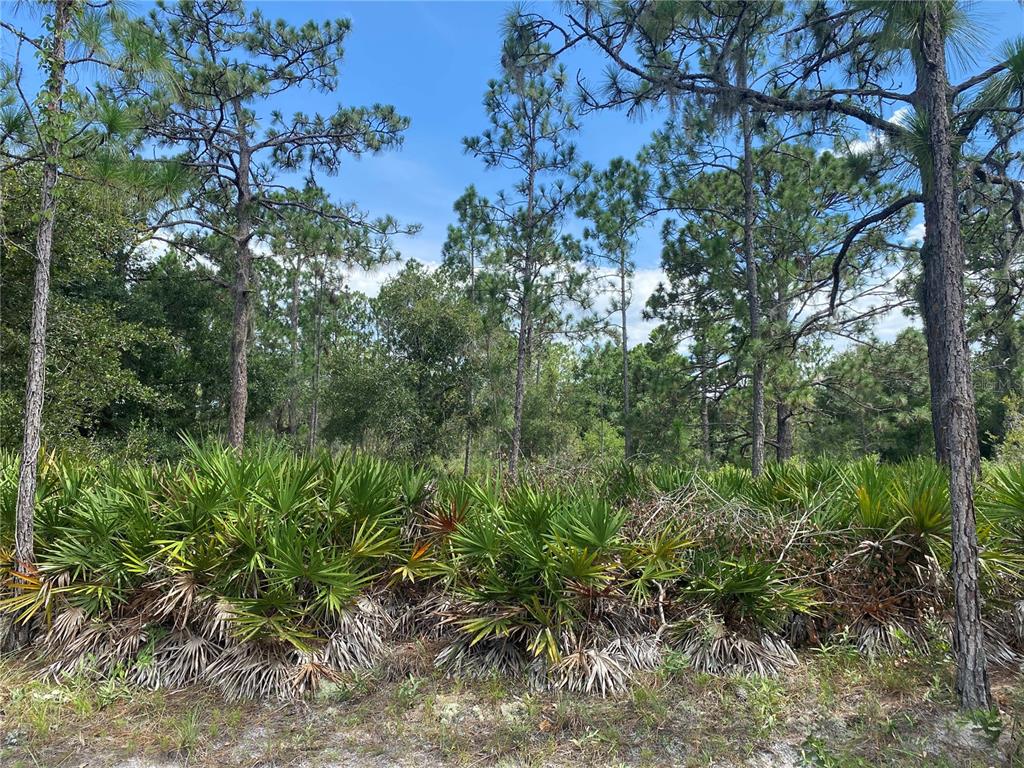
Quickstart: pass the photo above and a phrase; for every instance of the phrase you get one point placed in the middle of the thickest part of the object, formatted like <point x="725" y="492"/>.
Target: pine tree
<point x="69" y="126"/>
<point x="616" y="205"/>
<point x="532" y="124"/>
<point x="657" y="52"/>
<point x="228" y="65"/>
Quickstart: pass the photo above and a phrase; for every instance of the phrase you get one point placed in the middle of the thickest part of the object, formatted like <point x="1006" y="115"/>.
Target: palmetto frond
<point x="267" y="574"/>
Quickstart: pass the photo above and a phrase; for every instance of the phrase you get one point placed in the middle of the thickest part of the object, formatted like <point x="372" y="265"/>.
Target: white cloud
<point x="645" y="282"/>
<point x="891" y="324"/>
<point x="866" y="146"/>
<point x="152" y="250"/>
<point x="914" y="235"/>
<point x="876" y="139"/>
<point x="899" y="115"/>
<point x="369" y="281"/>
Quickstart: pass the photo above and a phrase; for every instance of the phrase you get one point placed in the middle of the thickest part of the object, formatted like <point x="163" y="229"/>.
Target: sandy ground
<point x="851" y="714"/>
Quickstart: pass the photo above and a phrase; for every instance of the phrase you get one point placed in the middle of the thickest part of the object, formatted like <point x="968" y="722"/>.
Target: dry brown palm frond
<point x="590" y="670"/>
<point x="619" y="617"/>
<point x="1017" y="620"/>
<point x="357" y="641"/>
<point x="66" y="626"/>
<point x="97" y="649"/>
<point x="801" y="630"/>
<point x="309" y="673"/>
<point x="462" y="658"/>
<point x="657" y="511"/>
<point x="181" y="658"/>
<point x="251" y="671"/>
<point x="891" y="637"/>
<point x="180" y="598"/>
<point x="711" y="647"/>
<point x="423" y="618"/>
<point x="214" y="620"/>
<point x="73" y="656"/>
<point x="999" y="650"/>
<point x="411" y="659"/>
<point x="638" y="652"/>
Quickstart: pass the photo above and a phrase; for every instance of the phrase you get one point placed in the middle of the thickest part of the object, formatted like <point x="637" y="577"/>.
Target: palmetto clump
<point x="546" y="576"/>
<point x="711" y="647"/>
<point x="270" y="574"/>
<point x="254" y="573"/>
<point x="740" y="610"/>
<point x="482" y="659"/>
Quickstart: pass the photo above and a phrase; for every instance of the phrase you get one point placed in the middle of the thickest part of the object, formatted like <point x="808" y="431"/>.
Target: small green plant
<point x="408" y="692"/>
<point x="988" y="721"/>
<point x="674" y="662"/>
<point x="188" y="730"/>
<point x="649" y="702"/>
<point x="764" y="696"/>
<point x="816" y="754"/>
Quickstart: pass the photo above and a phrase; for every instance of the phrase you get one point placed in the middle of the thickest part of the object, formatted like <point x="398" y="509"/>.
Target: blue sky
<point x="432" y="60"/>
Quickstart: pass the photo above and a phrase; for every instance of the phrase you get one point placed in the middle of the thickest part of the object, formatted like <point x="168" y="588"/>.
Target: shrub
<point x="269" y="574"/>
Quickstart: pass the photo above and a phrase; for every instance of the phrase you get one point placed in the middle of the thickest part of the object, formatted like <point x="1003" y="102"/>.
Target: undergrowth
<point x="272" y="574"/>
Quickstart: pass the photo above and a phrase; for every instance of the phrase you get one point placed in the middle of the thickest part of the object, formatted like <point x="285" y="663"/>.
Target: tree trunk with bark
<point x="293" y="390"/>
<point x="705" y="428"/>
<point x="525" y="321"/>
<point x="35" y="380"/>
<point x="241" y="290"/>
<point x="949" y="357"/>
<point x="240" y="345"/>
<point x="314" y="408"/>
<point x="627" y="427"/>
<point x="783" y="431"/>
<point x="469" y="381"/>
<point x="520" y="391"/>
<point x="753" y="292"/>
<point x="933" y="338"/>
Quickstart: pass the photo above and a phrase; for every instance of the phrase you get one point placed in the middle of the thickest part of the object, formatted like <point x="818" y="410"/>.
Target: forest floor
<point x="834" y="711"/>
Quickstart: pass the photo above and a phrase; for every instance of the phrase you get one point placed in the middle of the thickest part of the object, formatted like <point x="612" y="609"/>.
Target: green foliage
<point x="91" y="336"/>
<point x="269" y="573"/>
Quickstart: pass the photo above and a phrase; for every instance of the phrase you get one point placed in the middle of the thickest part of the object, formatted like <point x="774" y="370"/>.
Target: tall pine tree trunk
<point x="293" y="390"/>
<point x="753" y="292"/>
<point x="469" y="379"/>
<point x="627" y="427"/>
<point x="240" y="340"/>
<point x="525" y="322"/>
<point x="933" y="337"/>
<point x="241" y="291"/>
<point x="949" y="358"/>
<point x="314" y="408"/>
<point x="35" y="380"/>
<point x="520" y="391"/>
<point x="783" y="431"/>
<point x="705" y="427"/>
